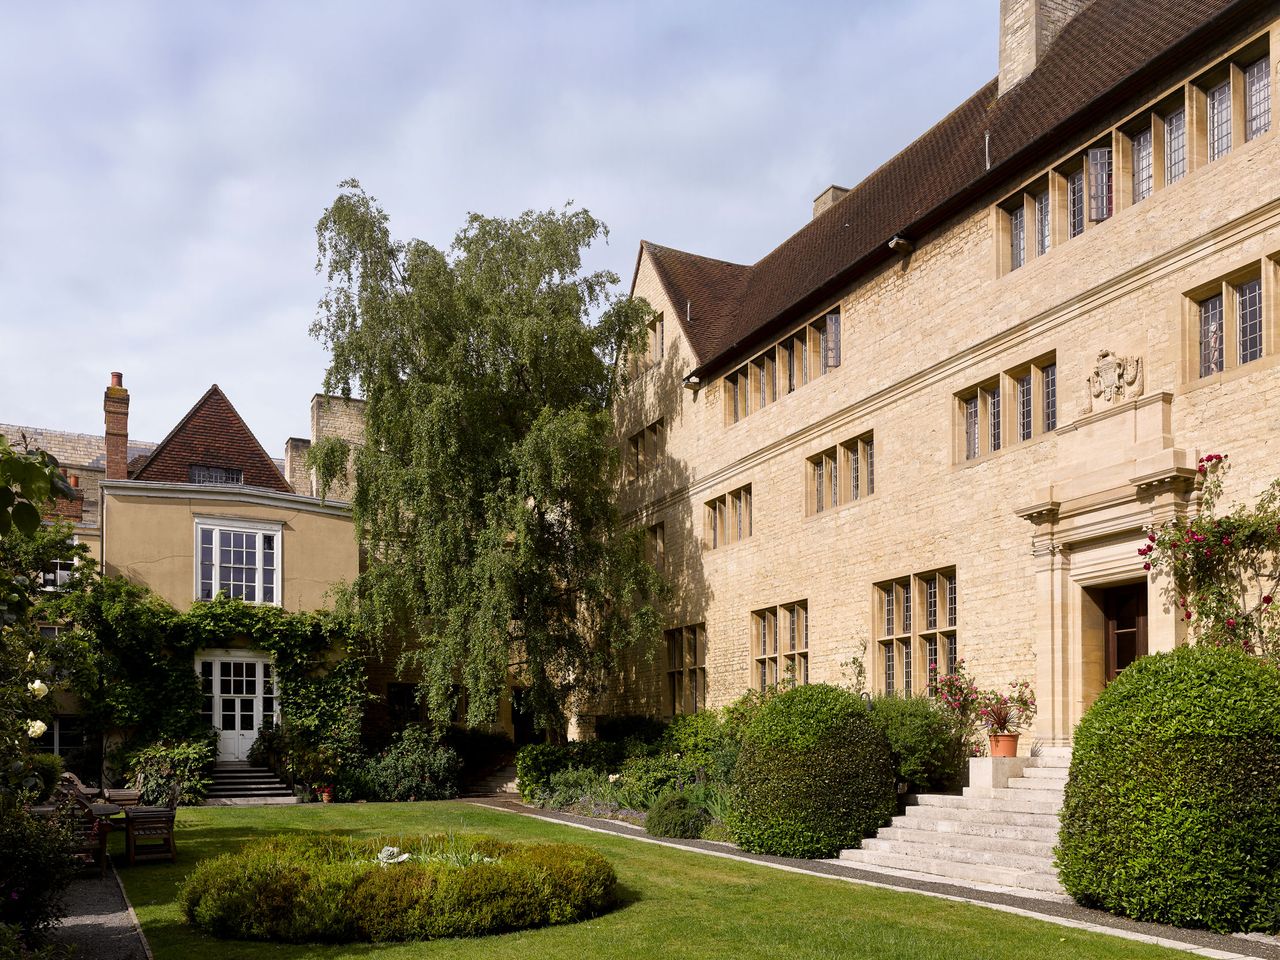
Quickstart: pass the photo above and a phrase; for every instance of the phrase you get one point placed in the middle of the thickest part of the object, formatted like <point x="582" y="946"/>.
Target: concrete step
<point x="1038" y="847"/>
<point x="1046" y="773"/>
<point x="939" y="849"/>
<point x="1000" y="796"/>
<point x="250" y="791"/>
<point x="974" y="812"/>
<point x="993" y="801"/>
<point x="251" y="801"/>
<point x="977" y="828"/>
<point x="951" y="869"/>
<point x="1038" y="783"/>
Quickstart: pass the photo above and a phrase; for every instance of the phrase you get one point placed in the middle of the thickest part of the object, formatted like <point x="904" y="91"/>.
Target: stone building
<point x="935" y="423"/>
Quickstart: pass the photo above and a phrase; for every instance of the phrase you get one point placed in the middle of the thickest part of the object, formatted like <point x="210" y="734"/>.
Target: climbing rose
<point x="36" y="729"/>
<point x="38" y="688"/>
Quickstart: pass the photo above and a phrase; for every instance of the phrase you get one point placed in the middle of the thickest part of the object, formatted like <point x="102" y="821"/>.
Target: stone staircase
<point x="502" y="780"/>
<point x="1000" y="832"/>
<point x="242" y="785"/>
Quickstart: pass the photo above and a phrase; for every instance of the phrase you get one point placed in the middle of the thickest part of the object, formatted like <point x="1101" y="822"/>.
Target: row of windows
<point x="686" y="668"/>
<point x="842" y="474"/>
<point x="780" y="642"/>
<point x="783" y="368"/>
<point x="913" y="649"/>
<point x="645" y="449"/>
<point x="728" y="518"/>
<point x="988" y="423"/>
<point x="1229" y="104"/>
<point x="1233" y="320"/>
<point x="654" y="348"/>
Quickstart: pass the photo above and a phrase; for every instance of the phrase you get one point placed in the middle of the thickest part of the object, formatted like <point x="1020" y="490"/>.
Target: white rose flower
<point x="36" y="729"/>
<point x="31" y="657"/>
<point x="38" y="688"/>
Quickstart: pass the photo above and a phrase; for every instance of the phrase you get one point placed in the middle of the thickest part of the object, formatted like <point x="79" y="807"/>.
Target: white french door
<point x="238" y="699"/>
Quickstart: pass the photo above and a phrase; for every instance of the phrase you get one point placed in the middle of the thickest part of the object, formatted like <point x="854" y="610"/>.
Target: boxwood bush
<point x="537" y="762"/>
<point x="1172" y="809"/>
<point x="674" y="814"/>
<point x="333" y="889"/>
<point x="928" y="746"/>
<point x="814" y="775"/>
<point x="417" y="765"/>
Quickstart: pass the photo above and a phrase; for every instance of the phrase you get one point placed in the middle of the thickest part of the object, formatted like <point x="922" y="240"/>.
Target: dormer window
<point x="200" y="473"/>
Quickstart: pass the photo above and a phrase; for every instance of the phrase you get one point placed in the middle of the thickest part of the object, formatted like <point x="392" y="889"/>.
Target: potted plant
<point x="325" y="792"/>
<point x="1005" y="714"/>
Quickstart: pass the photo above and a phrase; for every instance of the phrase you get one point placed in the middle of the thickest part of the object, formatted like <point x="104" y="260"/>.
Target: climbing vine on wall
<point x="1224" y="566"/>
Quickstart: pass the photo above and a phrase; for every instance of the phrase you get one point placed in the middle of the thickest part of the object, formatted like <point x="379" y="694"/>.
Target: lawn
<point x="674" y="904"/>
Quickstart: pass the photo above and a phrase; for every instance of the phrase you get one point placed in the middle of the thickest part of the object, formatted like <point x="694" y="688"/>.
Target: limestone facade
<point x="1034" y="534"/>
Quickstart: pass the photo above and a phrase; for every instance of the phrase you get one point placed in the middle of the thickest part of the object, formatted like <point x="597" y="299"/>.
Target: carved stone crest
<point x="1114" y="378"/>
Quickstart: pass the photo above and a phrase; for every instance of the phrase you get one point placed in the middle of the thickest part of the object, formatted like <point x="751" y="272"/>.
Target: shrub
<point x="165" y="769"/>
<point x="417" y="765"/>
<point x="46" y="768"/>
<point x="705" y="742"/>
<point x="1172" y="809"/>
<point x="333" y="889"/>
<point x="567" y="787"/>
<point x="537" y="762"/>
<point x="676" y="815"/>
<point x="36" y="865"/>
<point x="928" y="747"/>
<point x="814" y="775"/>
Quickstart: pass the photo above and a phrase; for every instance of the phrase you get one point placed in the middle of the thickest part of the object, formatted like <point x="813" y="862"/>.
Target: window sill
<point x="1230" y="374"/>
<point x="840" y="507"/>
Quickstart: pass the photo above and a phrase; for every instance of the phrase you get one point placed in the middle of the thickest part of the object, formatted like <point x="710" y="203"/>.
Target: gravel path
<point x="100" y="923"/>
<point x="1196" y="942"/>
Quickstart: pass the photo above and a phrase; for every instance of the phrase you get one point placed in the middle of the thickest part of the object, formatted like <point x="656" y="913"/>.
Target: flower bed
<point x="332" y="889"/>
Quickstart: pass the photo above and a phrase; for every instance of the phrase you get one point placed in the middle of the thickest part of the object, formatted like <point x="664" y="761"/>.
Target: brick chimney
<point x="115" y="404"/>
<point x="1027" y="27"/>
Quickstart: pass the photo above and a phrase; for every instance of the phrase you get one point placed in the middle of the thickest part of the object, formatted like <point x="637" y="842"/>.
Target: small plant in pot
<point x="1005" y="714"/>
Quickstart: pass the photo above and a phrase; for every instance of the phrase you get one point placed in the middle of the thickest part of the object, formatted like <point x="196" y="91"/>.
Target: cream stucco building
<point x="936" y="422"/>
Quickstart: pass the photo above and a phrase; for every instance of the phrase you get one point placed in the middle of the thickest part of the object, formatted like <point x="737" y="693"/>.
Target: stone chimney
<point x="115" y="404"/>
<point x="1027" y="27"/>
<point x="827" y="199"/>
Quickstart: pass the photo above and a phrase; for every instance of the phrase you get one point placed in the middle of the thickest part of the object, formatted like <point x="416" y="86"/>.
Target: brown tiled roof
<point x="211" y="434"/>
<point x="1110" y="50"/>
<point x="84" y="450"/>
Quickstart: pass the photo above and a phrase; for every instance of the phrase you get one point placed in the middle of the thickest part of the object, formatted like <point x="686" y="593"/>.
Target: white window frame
<point x="238" y="525"/>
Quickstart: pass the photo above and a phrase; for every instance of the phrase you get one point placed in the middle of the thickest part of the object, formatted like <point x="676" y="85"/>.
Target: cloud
<point x="164" y="164"/>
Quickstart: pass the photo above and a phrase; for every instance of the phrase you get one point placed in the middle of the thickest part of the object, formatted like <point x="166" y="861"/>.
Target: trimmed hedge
<point x="814" y="775"/>
<point x="675" y="815"/>
<point x="928" y="747"/>
<point x="537" y="762"/>
<point x="331" y="889"/>
<point x="1172" y="809"/>
<point x="417" y="765"/>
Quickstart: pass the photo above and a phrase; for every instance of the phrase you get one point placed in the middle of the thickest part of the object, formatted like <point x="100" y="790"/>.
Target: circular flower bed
<point x="334" y="889"/>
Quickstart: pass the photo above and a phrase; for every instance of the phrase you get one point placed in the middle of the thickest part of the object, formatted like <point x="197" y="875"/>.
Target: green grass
<point x="674" y="904"/>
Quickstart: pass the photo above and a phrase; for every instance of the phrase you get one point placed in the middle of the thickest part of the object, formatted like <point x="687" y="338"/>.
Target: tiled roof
<point x="1109" y="50"/>
<point x="84" y="450"/>
<point x="211" y="434"/>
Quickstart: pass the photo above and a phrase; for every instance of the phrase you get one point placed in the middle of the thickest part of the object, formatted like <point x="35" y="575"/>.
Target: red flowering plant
<point x="1223" y="568"/>
<point x="959" y="695"/>
<point x="1007" y="712"/>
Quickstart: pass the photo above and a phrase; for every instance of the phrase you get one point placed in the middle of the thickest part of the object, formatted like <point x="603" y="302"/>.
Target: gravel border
<point x="100" y="921"/>
<point x="1068" y="914"/>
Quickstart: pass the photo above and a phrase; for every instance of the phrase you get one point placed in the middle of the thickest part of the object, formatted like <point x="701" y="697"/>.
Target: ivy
<point x="1224" y="566"/>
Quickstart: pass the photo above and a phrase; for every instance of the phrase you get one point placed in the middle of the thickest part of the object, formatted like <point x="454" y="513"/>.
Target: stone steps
<point x="1000" y="831"/>
<point x="245" y="785"/>
<point x="500" y="781"/>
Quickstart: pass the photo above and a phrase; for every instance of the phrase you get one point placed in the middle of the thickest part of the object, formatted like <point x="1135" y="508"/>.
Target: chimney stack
<point x="1027" y="27"/>
<point x="115" y="404"/>
<point x="827" y="199"/>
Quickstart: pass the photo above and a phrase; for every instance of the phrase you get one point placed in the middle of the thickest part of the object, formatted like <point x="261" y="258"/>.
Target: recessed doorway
<point x="1124" y="609"/>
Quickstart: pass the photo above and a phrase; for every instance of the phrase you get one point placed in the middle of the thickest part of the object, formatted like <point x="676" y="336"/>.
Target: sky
<point x="163" y="165"/>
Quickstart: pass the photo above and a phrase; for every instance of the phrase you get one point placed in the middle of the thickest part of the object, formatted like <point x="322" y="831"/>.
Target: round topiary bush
<point x="1172" y="810"/>
<point x="674" y="815"/>
<point x="814" y="775"/>
<point x="330" y="889"/>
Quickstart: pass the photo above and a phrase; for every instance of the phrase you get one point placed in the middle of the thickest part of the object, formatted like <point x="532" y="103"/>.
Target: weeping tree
<point x="484" y="493"/>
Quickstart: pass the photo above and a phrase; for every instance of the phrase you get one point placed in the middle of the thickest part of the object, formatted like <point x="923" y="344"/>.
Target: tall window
<point x="644" y="450"/>
<point x="1024" y="407"/>
<point x="1017" y="237"/>
<point x="971" y="438"/>
<point x="764" y="633"/>
<point x="1257" y="98"/>
<point x="1220" y="120"/>
<point x="1249" y="310"/>
<point x="1050" y="381"/>
<point x="786" y="365"/>
<point x="841" y="474"/>
<point x="1211" y="335"/>
<point x="1042" y="223"/>
<point x="241" y="560"/>
<point x="656" y="544"/>
<point x="1175" y="146"/>
<point x="728" y="518"/>
<point x="901" y="637"/>
<point x="686" y="669"/>
<point x="1101" y="188"/>
<point x="795" y="657"/>
<point x="1075" y="204"/>
<point x="1142" y="172"/>
<point x="993" y="416"/>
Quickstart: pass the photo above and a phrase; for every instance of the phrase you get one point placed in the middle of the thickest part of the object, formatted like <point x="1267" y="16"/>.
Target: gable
<point x="214" y="437"/>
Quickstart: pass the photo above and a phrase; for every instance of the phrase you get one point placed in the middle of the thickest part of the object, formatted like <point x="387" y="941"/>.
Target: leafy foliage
<point x="814" y="775"/>
<point x="417" y="765"/>
<point x="1172" y="810"/>
<point x="484" y="488"/>
<point x="1223" y="568"/>
<point x="333" y="889"/>
<point x="674" y="814"/>
<point x="35" y="868"/>
<point x="536" y="763"/>
<point x="928" y="746"/>
<point x="173" y="771"/>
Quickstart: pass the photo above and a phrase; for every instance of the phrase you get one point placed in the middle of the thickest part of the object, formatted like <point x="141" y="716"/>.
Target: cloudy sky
<point x="162" y="166"/>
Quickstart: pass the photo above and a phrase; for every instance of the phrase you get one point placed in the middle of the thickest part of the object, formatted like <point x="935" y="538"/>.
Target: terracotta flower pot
<point x="1003" y="744"/>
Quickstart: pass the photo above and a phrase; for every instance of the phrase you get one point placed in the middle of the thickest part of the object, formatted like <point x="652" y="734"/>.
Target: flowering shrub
<point x="959" y="695"/>
<point x="1007" y="712"/>
<point x="1223" y="569"/>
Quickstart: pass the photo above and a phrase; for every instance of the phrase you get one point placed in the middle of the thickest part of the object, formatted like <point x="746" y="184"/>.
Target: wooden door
<point x="1125" y="609"/>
